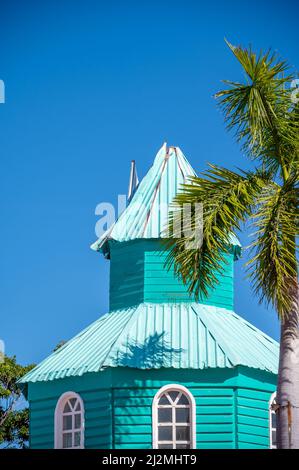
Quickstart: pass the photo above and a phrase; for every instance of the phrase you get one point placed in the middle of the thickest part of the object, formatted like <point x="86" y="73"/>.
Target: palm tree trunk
<point x="288" y="379"/>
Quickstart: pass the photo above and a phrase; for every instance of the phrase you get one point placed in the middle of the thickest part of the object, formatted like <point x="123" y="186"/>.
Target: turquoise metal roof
<point x="151" y="336"/>
<point x="147" y="212"/>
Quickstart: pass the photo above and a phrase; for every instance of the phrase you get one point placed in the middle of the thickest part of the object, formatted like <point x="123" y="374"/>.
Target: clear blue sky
<point x="90" y="86"/>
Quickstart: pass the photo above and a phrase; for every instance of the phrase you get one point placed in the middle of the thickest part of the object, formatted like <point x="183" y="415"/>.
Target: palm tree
<point x="265" y="117"/>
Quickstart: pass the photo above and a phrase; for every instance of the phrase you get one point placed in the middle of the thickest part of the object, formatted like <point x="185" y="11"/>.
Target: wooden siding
<point x="214" y="417"/>
<point x="126" y="274"/>
<point x="161" y="285"/>
<point x="231" y="407"/>
<point x="138" y="274"/>
<point x="252" y="418"/>
<point x="221" y="419"/>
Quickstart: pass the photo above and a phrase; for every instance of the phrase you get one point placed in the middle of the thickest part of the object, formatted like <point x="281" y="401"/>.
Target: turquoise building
<point x="159" y="370"/>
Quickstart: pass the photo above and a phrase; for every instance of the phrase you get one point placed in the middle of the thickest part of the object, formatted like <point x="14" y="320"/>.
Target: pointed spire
<point x="133" y="181"/>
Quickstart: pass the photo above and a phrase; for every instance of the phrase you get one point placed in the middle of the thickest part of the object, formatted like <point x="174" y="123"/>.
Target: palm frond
<point x="260" y="109"/>
<point x="266" y="122"/>
<point x="273" y="268"/>
<point x="227" y="199"/>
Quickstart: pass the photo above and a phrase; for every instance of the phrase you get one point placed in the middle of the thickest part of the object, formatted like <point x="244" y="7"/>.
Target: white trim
<point x="272" y="398"/>
<point x="58" y="419"/>
<point x="185" y="391"/>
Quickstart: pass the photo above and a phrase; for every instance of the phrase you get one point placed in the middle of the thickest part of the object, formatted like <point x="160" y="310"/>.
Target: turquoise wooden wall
<point x="95" y="392"/>
<point x="231" y="406"/>
<point x="137" y="274"/>
<point x="252" y="418"/>
<point x="228" y="401"/>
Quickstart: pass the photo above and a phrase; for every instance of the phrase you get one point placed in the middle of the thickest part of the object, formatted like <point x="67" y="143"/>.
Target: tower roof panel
<point x="147" y="212"/>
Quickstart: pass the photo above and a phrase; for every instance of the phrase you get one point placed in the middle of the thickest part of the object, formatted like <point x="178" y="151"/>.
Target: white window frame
<point x="58" y="420"/>
<point x="271" y="412"/>
<point x="155" y="423"/>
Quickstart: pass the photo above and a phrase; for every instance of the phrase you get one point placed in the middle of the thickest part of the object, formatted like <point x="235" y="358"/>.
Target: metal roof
<point x="151" y="336"/>
<point x="147" y="212"/>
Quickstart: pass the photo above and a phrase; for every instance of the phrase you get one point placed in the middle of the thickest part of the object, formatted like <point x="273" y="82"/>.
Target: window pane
<point x="183" y="400"/>
<point x="67" y="408"/>
<point x="67" y="422"/>
<point x="273" y="420"/>
<point x="164" y="400"/>
<point x="182" y="433"/>
<point x="182" y="415"/>
<point x="164" y="415"/>
<point x="183" y="446"/>
<point x="77" y="439"/>
<point x="273" y="438"/>
<point x="165" y="446"/>
<point x="78" y="407"/>
<point x="173" y="395"/>
<point x="77" y="421"/>
<point x="67" y="440"/>
<point x="72" y="402"/>
<point x="164" y="433"/>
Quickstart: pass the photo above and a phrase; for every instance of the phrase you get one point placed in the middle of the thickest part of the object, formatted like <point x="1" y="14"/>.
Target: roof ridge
<point x="253" y="327"/>
<point x="156" y="190"/>
<point x="233" y="358"/>
<point x="258" y="334"/>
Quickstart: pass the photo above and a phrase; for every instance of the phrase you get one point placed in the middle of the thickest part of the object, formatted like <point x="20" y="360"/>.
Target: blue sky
<point x="91" y="85"/>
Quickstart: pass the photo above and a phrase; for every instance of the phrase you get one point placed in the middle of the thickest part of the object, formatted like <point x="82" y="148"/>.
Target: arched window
<point x="272" y="421"/>
<point x="69" y="422"/>
<point x="174" y="418"/>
